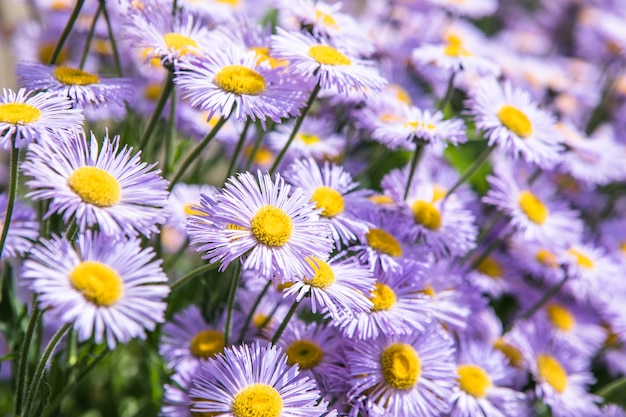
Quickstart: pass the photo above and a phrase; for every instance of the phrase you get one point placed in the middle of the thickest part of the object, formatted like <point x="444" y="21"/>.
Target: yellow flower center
<point x="325" y="18"/>
<point x="97" y="282"/>
<point x="454" y="47"/>
<point x="383" y="297"/>
<point x="532" y="207"/>
<point x="429" y="291"/>
<point x="263" y="55"/>
<point x="152" y="91"/>
<point x="490" y="267"/>
<point x="229" y="2"/>
<point x="308" y="138"/>
<point x="474" y="380"/>
<point x="181" y="44"/>
<point x="305" y="353"/>
<point x="560" y="317"/>
<point x="381" y="199"/>
<point x="384" y="242"/>
<point x="581" y="259"/>
<point x="207" y="343"/>
<point x="551" y="371"/>
<point x="191" y="209"/>
<point x="271" y="226"/>
<point x="426" y="214"/>
<point x="327" y="55"/>
<point x="546" y="258"/>
<point x="329" y="200"/>
<point x="258" y="400"/>
<point x="95" y="186"/>
<point x="622" y="247"/>
<point x="74" y="76"/>
<point x="261" y="321"/>
<point x="400" y="93"/>
<point x="240" y="80"/>
<point x="45" y="53"/>
<point x="18" y="113"/>
<point x="439" y="192"/>
<point x="515" y="120"/>
<point x="511" y="352"/>
<point x="324" y="276"/>
<point x="401" y="366"/>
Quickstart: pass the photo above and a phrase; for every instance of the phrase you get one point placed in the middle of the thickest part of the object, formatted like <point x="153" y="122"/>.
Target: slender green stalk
<point x="284" y="323"/>
<point x="174" y="7"/>
<point x="255" y="147"/>
<point x="169" y="138"/>
<point x="551" y="292"/>
<point x="22" y="365"/>
<point x="449" y="90"/>
<point x="246" y="323"/>
<point x="417" y="155"/>
<point x="196" y="152"/>
<point x="116" y="54"/>
<point x="66" y="31"/>
<point x="156" y="115"/>
<point x="596" y="115"/>
<point x="33" y="388"/>
<point x="51" y="408"/>
<point x="92" y="30"/>
<point x="611" y="387"/>
<point x="478" y="162"/>
<point x="13" y="176"/>
<point x="190" y="275"/>
<point x="231" y="300"/>
<point x="296" y="128"/>
<point x="238" y="148"/>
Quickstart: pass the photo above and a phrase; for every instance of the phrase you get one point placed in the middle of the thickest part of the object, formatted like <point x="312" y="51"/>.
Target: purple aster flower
<point x="107" y="187"/>
<point x="410" y="375"/>
<point x="29" y="116"/>
<point x="183" y="201"/>
<point x="263" y="223"/>
<point x="108" y="288"/>
<point x="232" y="79"/>
<point x="23" y="229"/>
<point x="176" y="399"/>
<point x="85" y="89"/>
<point x="254" y="380"/>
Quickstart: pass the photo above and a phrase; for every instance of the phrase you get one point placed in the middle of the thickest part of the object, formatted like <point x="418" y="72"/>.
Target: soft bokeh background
<point x="11" y="12"/>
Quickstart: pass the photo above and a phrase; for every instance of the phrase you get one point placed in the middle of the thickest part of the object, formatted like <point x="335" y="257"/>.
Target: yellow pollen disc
<point x="152" y="91"/>
<point x="546" y="258"/>
<point x="511" y="352"/>
<point x="19" y="113"/>
<point x="207" y="343"/>
<point x="390" y="118"/>
<point x="95" y="186"/>
<point x="474" y="380"/>
<point x="282" y="286"/>
<point x="532" y="207"/>
<point x="516" y="121"/>
<point x="181" y="44"/>
<point x="400" y="93"/>
<point x="45" y="53"/>
<point x="581" y="259"/>
<point x="263" y="55"/>
<point x="325" y="18"/>
<point x="257" y="400"/>
<point x="240" y="80"/>
<point x="490" y="267"/>
<point x="74" y="76"/>
<point x="426" y="214"/>
<point x="329" y="200"/>
<point x="324" y="276"/>
<point x="155" y="61"/>
<point x="401" y="366"/>
<point x="191" y="209"/>
<point x="622" y="247"/>
<point x="381" y="199"/>
<point x="228" y="2"/>
<point x="271" y="226"/>
<point x="383" y="297"/>
<point x="429" y="291"/>
<point x="261" y="321"/>
<point x="305" y="353"/>
<point x="561" y="317"/>
<point x="327" y="55"/>
<point x="308" y="138"/>
<point x="97" y="282"/>
<point x="380" y="240"/>
<point x="439" y="192"/>
<point x="551" y="371"/>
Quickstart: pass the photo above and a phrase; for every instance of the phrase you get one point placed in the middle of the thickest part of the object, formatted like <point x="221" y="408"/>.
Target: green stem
<point x="116" y="54"/>
<point x="66" y="31"/>
<point x="231" y="300"/>
<point x="196" y="152"/>
<point x="256" y="147"/>
<point x="174" y="7"/>
<point x="611" y="387"/>
<point x="156" y="115"/>
<point x="52" y="406"/>
<point x="238" y="148"/>
<point x="478" y="162"/>
<point x="417" y="155"/>
<point x="22" y="365"/>
<point x="284" y="323"/>
<point x="246" y="323"/>
<point x="169" y="138"/>
<point x="92" y="29"/>
<point x="296" y="128"/>
<point x="190" y="275"/>
<point x="448" y="96"/>
<point x="41" y="367"/>
<point x="596" y="116"/>
<point x="544" y="299"/>
<point x="13" y="175"/>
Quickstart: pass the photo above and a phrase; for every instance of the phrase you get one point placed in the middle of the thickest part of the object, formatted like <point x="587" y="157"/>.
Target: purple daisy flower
<point x="23" y="229"/>
<point x="107" y="288"/>
<point x="107" y="187"/>
<point x="254" y="380"/>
